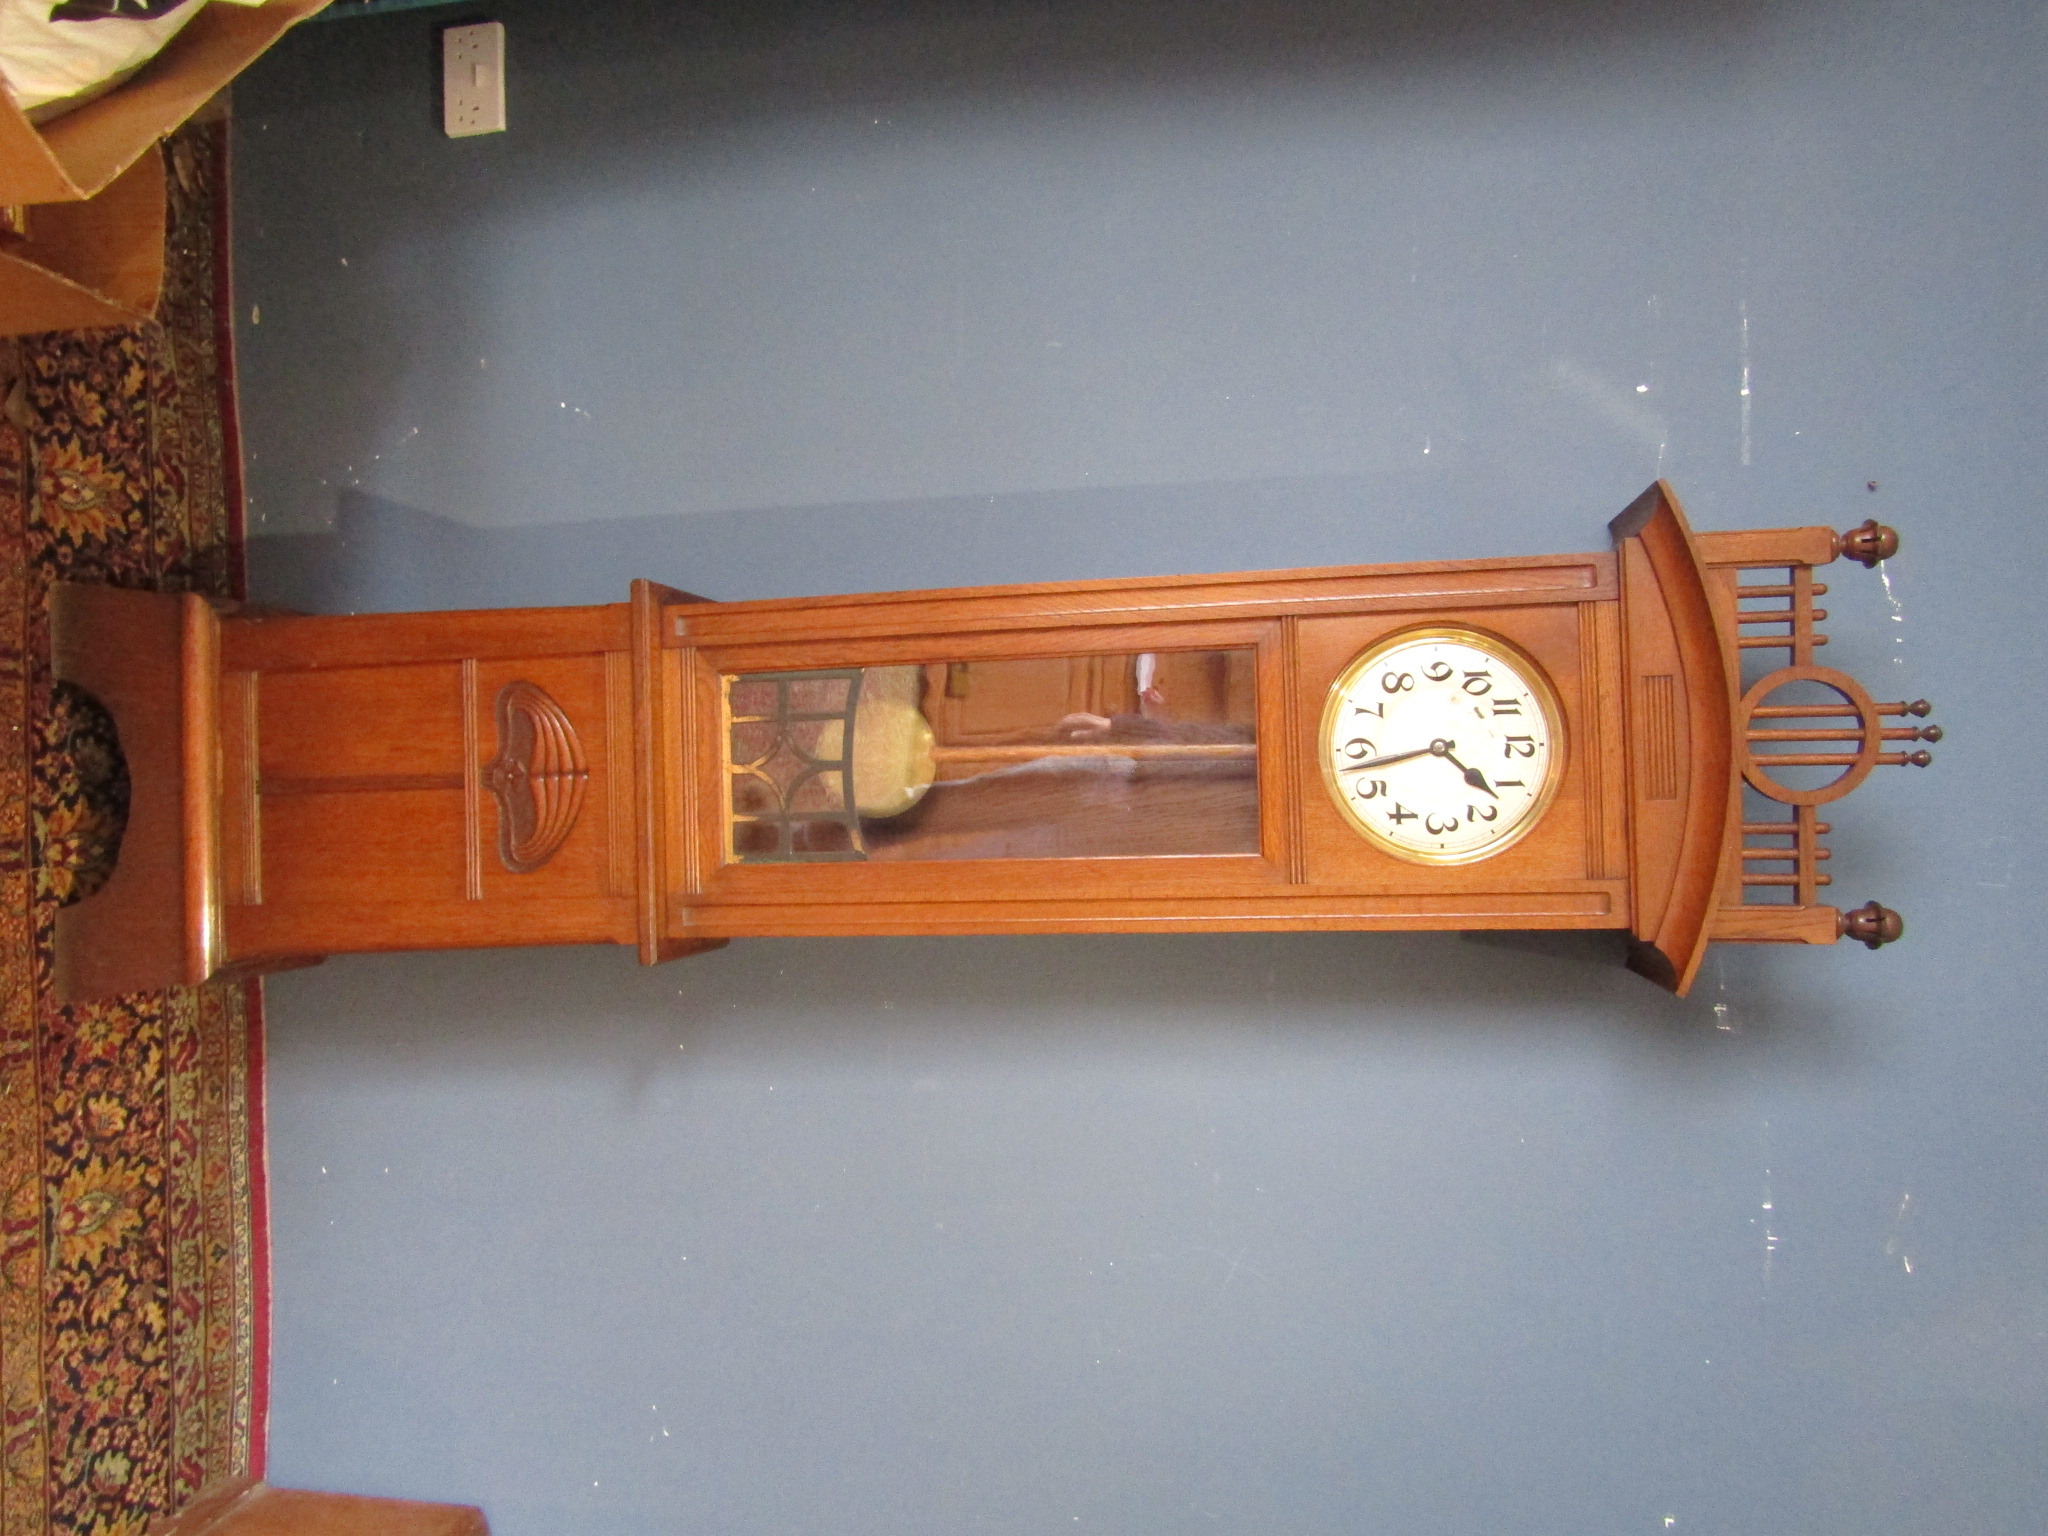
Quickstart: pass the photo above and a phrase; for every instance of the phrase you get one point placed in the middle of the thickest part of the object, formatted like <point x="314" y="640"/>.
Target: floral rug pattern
<point x="130" y="1191"/>
<point x="81" y="793"/>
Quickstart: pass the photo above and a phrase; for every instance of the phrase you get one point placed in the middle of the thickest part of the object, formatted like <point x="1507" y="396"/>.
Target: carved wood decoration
<point x="1799" y="718"/>
<point x="539" y="777"/>
<point x="1864" y="735"/>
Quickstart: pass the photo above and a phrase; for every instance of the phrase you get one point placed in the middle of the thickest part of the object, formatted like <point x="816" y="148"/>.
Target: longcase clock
<point x="1637" y="739"/>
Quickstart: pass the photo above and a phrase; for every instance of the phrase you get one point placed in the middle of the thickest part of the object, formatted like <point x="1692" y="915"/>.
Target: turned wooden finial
<point x="1867" y="543"/>
<point x="1872" y="925"/>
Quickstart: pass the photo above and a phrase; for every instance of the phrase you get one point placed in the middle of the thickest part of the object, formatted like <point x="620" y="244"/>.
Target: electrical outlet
<point x="473" y="79"/>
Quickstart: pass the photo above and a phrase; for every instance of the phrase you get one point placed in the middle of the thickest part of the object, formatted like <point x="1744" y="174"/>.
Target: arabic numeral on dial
<point x="1397" y="682"/>
<point x="1518" y="746"/>
<point x="1507" y="706"/>
<point x="1509" y="784"/>
<point x="1438" y="671"/>
<point x="1400" y="813"/>
<point x="1437" y="828"/>
<point x="1479" y="682"/>
<point x="1358" y="749"/>
<point x="1369" y="709"/>
<point x="1479" y="813"/>
<point x="1370" y="789"/>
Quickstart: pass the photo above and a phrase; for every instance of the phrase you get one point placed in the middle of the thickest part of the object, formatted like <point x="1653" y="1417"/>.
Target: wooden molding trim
<point x="1778" y="924"/>
<point x="650" y="768"/>
<point x="1092" y="604"/>
<point x="273" y="644"/>
<point x="1670" y="954"/>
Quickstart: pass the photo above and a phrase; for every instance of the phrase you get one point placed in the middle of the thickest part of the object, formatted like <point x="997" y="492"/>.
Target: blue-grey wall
<point x="1327" y="1233"/>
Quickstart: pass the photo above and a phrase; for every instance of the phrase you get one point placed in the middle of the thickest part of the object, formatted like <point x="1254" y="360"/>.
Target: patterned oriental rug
<point x="132" y="1253"/>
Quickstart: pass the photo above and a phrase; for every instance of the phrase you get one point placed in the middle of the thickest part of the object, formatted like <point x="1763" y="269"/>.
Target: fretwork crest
<point x="1791" y="723"/>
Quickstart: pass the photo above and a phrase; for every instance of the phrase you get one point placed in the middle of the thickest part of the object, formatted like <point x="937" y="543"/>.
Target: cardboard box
<point x="75" y="266"/>
<point x="82" y="152"/>
<point x="83" y="243"/>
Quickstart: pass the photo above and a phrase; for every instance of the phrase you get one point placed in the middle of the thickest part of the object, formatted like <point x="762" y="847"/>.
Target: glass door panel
<point x="1130" y="755"/>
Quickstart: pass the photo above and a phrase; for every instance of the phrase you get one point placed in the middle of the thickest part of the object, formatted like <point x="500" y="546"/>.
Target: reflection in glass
<point x="787" y="763"/>
<point x="1119" y="756"/>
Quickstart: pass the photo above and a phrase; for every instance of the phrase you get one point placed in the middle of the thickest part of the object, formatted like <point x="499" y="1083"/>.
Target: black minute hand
<point x="1391" y="757"/>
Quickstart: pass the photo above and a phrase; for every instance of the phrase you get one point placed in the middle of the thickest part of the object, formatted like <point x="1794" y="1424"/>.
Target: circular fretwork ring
<point x="1868" y="736"/>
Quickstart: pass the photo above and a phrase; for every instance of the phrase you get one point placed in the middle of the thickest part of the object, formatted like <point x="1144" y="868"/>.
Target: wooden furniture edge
<point x="1754" y="547"/>
<point x="1777" y="923"/>
<point x="1671" y="956"/>
<point x="199" y="704"/>
<point x="244" y="1507"/>
<point x="649" y="864"/>
<point x="1223" y="596"/>
<point x="270" y="642"/>
<point x="651" y="768"/>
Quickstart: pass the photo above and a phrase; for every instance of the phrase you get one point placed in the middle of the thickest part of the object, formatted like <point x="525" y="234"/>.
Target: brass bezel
<point x="1508" y="654"/>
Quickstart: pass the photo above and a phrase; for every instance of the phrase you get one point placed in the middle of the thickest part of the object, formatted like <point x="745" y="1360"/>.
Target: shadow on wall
<point x="1151" y="1001"/>
<point x="383" y="556"/>
<point x="725" y="63"/>
<point x="711" y="67"/>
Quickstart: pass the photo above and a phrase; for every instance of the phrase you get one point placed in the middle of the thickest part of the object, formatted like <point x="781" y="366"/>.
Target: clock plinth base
<point x="151" y="660"/>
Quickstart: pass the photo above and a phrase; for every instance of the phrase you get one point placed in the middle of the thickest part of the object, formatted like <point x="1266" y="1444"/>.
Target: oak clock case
<point x="1561" y="741"/>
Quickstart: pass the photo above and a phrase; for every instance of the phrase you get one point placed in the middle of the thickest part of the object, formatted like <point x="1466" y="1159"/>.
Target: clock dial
<point x="1442" y="746"/>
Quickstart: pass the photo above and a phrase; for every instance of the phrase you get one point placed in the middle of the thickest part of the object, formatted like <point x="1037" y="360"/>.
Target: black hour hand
<point x="1472" y="775"/>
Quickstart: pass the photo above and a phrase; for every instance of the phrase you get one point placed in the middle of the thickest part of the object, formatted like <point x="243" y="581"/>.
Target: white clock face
<point x="1442" y="746"/>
